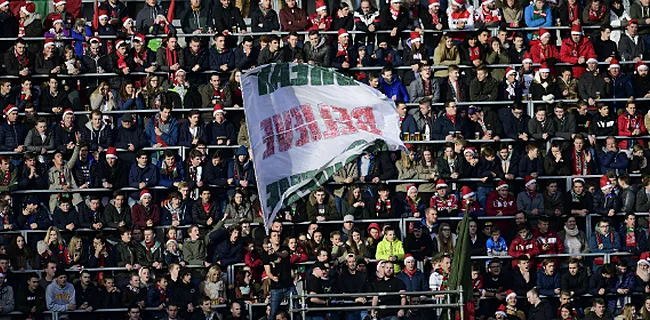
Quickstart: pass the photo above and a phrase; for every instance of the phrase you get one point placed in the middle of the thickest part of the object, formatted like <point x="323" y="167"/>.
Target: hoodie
<point x="57" y="298"/>
<point x="97" y="138"/>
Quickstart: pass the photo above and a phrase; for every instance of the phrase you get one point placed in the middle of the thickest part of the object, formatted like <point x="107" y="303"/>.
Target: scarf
<point x="172" y="58"/>
<point x="170" y="171"/>
<point x="24" y="97"/>
<point x="149" y="252"/>
<point x="6" y="178"/>
<point x="475" y="53"/>
<point x="163" y="294"/>
<point x="413" y="204"/>
<point x="573" y="13"/>
<point x="539" y="14"/>
<point x="630" y="237"/>
<point x="22" y="59"/>
<point x="133" y="289"/>
<point x="531" y="195"/>
<point x="67" y="129"/>
<point x="632" y="122"/>
<point x="618" y="12"/>
<point x="575" y="197"/>
<point x="451" y="118"/>
<point x="394" y="13"/>
<point x="410" y="273"/>
<point x="597" y="15"/>
<point x="572" y="233"/>
<point x="175" y="212"/>
<point x="599" y="237"/>
<point x="237" y="173"/>
<point x="121" y="60"/>
<point x="342" y="51"/>
<point x="158" y="123"/>
<point x="580" y="166"/>
<point x="435" y="18"/>
<point x="140" y="55"/>
<point x="382" y="204"/>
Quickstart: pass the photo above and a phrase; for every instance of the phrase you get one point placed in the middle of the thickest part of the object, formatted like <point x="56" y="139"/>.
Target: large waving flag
<point x="306" y="123"/>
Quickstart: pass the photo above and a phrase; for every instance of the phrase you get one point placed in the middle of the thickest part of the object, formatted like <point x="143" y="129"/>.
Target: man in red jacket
<point x="523" y="245"/>
<point x="501" y="202"/>
<point x="548" y="241"/>
<point x="293" y="18"/>
<point x="577" y="50"/>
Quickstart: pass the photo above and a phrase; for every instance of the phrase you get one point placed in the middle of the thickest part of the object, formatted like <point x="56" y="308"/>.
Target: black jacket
<point x="133" y="135"/>
<point x="268" y="22"/>
<point x="13" y="66"/>
<point x="200" y="217"/>
<point x="87" y="218"/>
<point x="26" y="300"/>
<point x="542" y="311"/>
<point x="112" y="217"/>
<point x="114" y="175"/>
<point x="227" y="18"/>
<point x="578" y="283"/>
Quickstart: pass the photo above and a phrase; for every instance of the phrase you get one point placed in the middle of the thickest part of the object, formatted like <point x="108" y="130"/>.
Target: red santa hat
<point x="510" y="70"/>
<point x="68" y="111"/>
<point x="530" y="180"/>
<point x="139" y="37"/>
<point x="501" y="310"/>
<point x="576" y="29"/>
<point x="144" y="193"/>
<point x="458" y="3"/>
<point x="604" y="183"/>
<point x="487" y="2"/>
<point x="415" y="37"/>
<point x="217" y="109"/>
<point x="4" y="3"/>
<point x="544" y="68"/>
<point x="408" y="257"/>
<point x="632" y="21"/>
<point x="111" y="153"/>
<point x="471" y="150"/>
<point x="592" y="60"/>
<point x="178" y="72"/>
<point x="411" y="186"/>
<point x="9" y="109"/>
<point x="578" y="179"/>
<point x="380" y="262"/>
<point x="433" y="3"/>
<point x="57" y="3"/>
<point x="640" y="65"/>
<point x="29" y="8"/>
<point x="527" y="58"/>
<point x="103" y="14"/>
<point x="95" y="40"/>
<point x="343" y="33"/>
<point x="320" y="5"/>
<point x="543" y="33"/>
<point x="57" y="18"/>
<point x="119" y="43"/>
<point x="644" y="258"/>
<point x="49" y="42"/>
<point x="502" y="185"/>
<point x="127" y="19"/>
<point x="613" y="64"/>
<point x="466" y="192"/>
<point x="441" y="184"/>
<point x="510" y="293"/>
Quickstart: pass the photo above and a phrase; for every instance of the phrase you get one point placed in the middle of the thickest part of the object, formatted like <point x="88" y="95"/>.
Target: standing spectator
<point x="630" y="123"/>
<point x="293" y="18"/>
<point x="389" y="284"/>
<point x="604" y="241"/>
<point x="633" y="239"/>
<point x="576" y="50"/>
<point x="60" y="295"/>
<point x="540" y="309"/>
<point x="30" y="298"/>
<point x="395" y="19"/>
<point x="576" y="281"/>
<point x="278" y="268"/>
<point x="538" y="14"/>
<point x="631" y="46"/>
<point x="145" y="213"/>
<point x="162" y="129"/>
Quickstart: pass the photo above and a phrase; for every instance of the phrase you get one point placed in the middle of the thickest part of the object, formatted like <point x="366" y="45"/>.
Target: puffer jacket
<point x="11" y="136"/>
<point x="386" y="249"/>
<point x="319" y="54"/>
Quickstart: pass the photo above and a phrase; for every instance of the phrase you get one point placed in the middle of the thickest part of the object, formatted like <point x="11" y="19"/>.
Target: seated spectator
<point x="322" y="207"/>
<point x="238" y="208"/>
<point x="529" y="200"/>
<point x="543" y="50"/>
<point x="171" y="173"/>
<point x="91" y="213"/>
<point x="18" y="60"/>
<point x="30" y="298"/>
<point x="449" y="125"/>
<point x="488" y="170"/>
<point x="110" y="171"/>
<point x="391" y="86"/>
<point x="515" y="123"/>
<point x="523" y="245"/>
<point x="450" y="165"/>
<point x="575" y="282"/>
<point x="446" y="240"/>
<point x="583" y="158"/>
<point x="133" y="293"/>
<point x="548" y="281"/>
<point x="86" y="293"/>
<point x="424" y="118"/>
<point x="162" y="129"/>
<point x="604" y="241"/>
<point x="293" y="18"/>
<point x="544" y="86"/>
<point x="240" y="170"/>
<point x="129" y="136"/>
<point x="34" y="216"/>
<point x="445" y="203"/>
<point x="630" y="123"/>
<point x="345" y="56"/>
<point x="175" y="213"/>
<point x="270" y="53"/>
<point x="469" y="203"/>
<point x="496" y="245"/>
<point x="145" y="213"/>
<point x="576" y="50"/>
<point x="452" y="88"/>
<point x="541" y="127"/>
<point x="605" y="200"/>
<point x="220" y="131"/>
<point x="598" y="310"/>
<point x="554" y="162"/>
<point x="425" y="87"/>
<point x="40" y="139"/>
<point x="484" y="87"/>
<point x="60" y="294"/>
<point x="317" y="52"/>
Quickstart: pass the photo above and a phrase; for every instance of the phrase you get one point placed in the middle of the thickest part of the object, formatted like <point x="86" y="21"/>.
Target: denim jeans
<point x="277" y="295"/>
<point x="482" y="194"/>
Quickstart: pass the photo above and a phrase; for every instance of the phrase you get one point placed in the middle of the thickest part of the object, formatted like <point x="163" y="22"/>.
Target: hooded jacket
<point x="319" y="54"/>
<point x="571" y="51"/>
<point x="386" y="249"/>
<point x="147" y="256"/>
<point x="328" y="210"/>
<point x="58" y="298"/>
<point x="97" y="138"/>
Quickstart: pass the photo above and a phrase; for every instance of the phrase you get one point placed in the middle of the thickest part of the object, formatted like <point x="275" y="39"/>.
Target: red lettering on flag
<point x="345" y="119"/>
<point x="269" y="140"/>
<point x="282" y="126"/>
<point x="365" y="120"/>
<point x="332" y="130"/>
<point x="299" y="126"/>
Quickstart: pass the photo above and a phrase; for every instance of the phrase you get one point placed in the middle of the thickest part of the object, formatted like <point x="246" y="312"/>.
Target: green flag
<point x="461" y="265"/>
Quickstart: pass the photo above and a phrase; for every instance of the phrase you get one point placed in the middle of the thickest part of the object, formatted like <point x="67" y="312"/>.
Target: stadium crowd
<point x="153" y="212"/>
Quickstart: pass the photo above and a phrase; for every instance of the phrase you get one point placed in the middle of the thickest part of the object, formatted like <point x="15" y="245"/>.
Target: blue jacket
<point x="171" y="137"/>
<point x="606" y="241"/>
<point x="531" y="22"/>
<point x="184" y="135"/>
<point x="442" y="126"/>
<point x="613" y="161"/>
<point x="148" y="174"/>
<point x="496" y="247"/>
<point x="168" y="179"/>
<point x="244" y="172"/>
<point x="388" y="56"/>
<point x="213" y="130"/>
<point x="626" y="281"/>
<point x="417" y="282"/>
<point x="546" y="285"/>
<point x="185" y="214"/>
<point x="218" y="59"/>
<point x="395" y="88"/>
<point x="11" y="136"/>
<point x="409" y="125"/>
<point x="513" y="127"/>
<point x="408" y="211"/>
<point x="226" y="252"/>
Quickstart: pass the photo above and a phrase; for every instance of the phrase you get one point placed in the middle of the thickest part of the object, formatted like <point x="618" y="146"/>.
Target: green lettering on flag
<point x="315" y="76"/>
<point x="263" y="85"/>
<point x="302" y="72"/>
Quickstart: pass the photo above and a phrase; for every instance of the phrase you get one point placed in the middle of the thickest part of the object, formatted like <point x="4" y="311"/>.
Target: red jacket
<point x="140" y="216"/>
<point x="508" y="207"/>
<point x="520" y="247"/>
<point x="449" y="203"/>
<point x="298" y="256"/>
<point x="555" y="246"/>
<point x="540" y="53"/>
<point x="626" y="124"/>
<point x="315" y="20"/>
<point x="571" y="51"/>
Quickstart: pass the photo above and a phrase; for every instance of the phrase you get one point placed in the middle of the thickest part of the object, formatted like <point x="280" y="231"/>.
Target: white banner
<point x="306" y="122"/>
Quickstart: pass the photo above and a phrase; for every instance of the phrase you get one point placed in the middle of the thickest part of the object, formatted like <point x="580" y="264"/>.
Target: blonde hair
<point x="72" y="246"/>
<point x="59" y="238"/>
<point x="213" y="274"/>
<point x="445" y="53"/>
